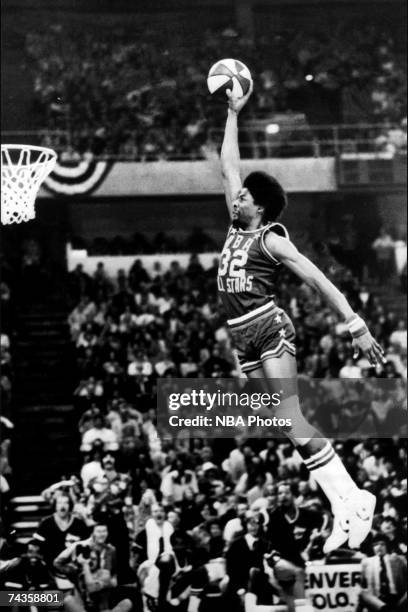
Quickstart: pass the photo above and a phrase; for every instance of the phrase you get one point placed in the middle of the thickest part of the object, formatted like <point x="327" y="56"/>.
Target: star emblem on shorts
<point x="282" y="333"/>
<point x="278" y="319"/>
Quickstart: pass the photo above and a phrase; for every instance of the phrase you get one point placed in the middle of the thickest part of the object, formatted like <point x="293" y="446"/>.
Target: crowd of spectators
<point x="154" y="524"/>
<point x="142" y="95"/>
<point x="6" y="382"/>
<point x="197" y="241"/>
<point x="5" y="350"/>
<point x="233" y="528"/>
<point x="140" y="321"/>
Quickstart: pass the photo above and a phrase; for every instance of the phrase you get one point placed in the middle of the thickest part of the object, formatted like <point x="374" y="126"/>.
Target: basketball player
<point x="255" y="248"/>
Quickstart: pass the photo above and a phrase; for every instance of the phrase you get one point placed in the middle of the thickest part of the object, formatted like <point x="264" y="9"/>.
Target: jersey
<point x="247" y="272"/>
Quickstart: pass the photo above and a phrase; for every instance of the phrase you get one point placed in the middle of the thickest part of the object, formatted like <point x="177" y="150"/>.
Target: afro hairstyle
<point x="268" y="193"/>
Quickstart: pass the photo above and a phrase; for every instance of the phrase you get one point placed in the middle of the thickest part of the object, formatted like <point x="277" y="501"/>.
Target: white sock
<point x="331" y="475"/>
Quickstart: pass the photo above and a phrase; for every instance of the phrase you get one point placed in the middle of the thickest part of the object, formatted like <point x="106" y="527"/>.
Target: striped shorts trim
<point x="284" y="346"/>
<point x="271" y="335"/>
<point x="252" y="316"/>
<point x="248" y="366"/>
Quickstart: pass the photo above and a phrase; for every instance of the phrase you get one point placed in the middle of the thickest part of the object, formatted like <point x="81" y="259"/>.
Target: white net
<point x="23" y="169"/>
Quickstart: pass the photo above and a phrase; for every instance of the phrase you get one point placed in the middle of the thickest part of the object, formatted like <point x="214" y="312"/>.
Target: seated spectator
<point x="29" y="572"/>
<point x="54" y="530"/>
<point x="112" y="366"/>
<point x="163" y="365"/>
<point x="127" y="321"/>
<point x="388" y="528"/>
<point x="175" y="483"/>
<point x="87" y="337"/>
<point x="235" y="526"/>
<point x="140" y="364"/>
<point x="155" y="537"/>
<point x="302" y="519"/>
<point x="99" y="432"/>
<point x="243" y="554"/>
<point x="82" y="313"/>
<point x="92" y="468"/>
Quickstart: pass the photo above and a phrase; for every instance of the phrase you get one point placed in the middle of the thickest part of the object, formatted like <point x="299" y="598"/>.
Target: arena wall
<point x="185" y="178"/>
<point x="124" y="262"/>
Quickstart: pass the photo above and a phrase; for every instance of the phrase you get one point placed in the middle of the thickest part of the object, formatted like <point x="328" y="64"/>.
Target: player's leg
<point x="309" y="445"/>
<point x="319" y="456"/>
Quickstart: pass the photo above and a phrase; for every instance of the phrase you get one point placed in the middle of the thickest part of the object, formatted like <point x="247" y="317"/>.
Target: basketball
<point x="229" y="74"/>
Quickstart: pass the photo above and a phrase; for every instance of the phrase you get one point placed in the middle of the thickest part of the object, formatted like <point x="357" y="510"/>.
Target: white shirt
<point x="91" y="470"/>
<point x="232" y="527"/>
<point x="388" y="570"/>
<point x="187" y="368"/>
<point x="163" y="304"/>
<point x="162" y="366"/>
<point x="250" y="540"/>
<point x="145" y="319"/>
<point x="147" y="368"/>
<point x="236" y="462"/>
<point x="374" y="467"/>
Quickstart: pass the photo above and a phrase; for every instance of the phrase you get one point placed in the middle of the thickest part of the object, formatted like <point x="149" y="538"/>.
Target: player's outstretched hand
<point x="370" y="347"/>
<point x="237" y="104"/>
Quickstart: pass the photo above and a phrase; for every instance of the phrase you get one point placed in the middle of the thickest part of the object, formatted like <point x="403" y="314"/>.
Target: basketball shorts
<point x="261" y="334"/>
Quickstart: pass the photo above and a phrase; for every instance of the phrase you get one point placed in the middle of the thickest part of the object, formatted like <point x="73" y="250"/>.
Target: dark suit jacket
<point x="370" y="574"/>
<point x="240" y="559"/>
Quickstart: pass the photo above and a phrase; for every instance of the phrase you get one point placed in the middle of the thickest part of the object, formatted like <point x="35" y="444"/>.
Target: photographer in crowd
<point x="91" y="565"/>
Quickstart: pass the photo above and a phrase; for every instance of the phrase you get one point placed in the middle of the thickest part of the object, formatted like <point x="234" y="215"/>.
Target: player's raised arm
<point x="230" y="158"/>
<point x="286" y="252"/>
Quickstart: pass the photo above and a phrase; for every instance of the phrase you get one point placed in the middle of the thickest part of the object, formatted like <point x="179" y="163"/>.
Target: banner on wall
<point x="77" y="179"/>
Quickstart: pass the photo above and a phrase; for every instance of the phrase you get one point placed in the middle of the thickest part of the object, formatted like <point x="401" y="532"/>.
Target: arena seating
<point x="169" y="326"/>
<point x="153" y="104"/>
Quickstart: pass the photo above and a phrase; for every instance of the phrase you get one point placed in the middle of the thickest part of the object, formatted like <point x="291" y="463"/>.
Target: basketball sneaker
<point x="362" y="505"/>
<point x="352" y="521"/>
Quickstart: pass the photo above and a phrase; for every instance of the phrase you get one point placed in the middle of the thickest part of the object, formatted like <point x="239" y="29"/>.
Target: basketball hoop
<point x="23" y="169"/>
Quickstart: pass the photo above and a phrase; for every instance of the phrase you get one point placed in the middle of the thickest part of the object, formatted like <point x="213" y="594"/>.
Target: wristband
<point x="357" y="326"/>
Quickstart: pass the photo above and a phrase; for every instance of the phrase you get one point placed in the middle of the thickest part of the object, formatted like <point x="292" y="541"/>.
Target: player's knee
<point x="298" y="426"/>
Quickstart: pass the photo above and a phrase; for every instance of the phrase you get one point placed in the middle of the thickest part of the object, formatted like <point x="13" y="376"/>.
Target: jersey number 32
<point x="232" y="263"/>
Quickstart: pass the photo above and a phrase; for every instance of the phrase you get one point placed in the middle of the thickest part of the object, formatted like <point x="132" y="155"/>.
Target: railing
<point x="262" y="139"/>
<point x="274" y="140"/>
